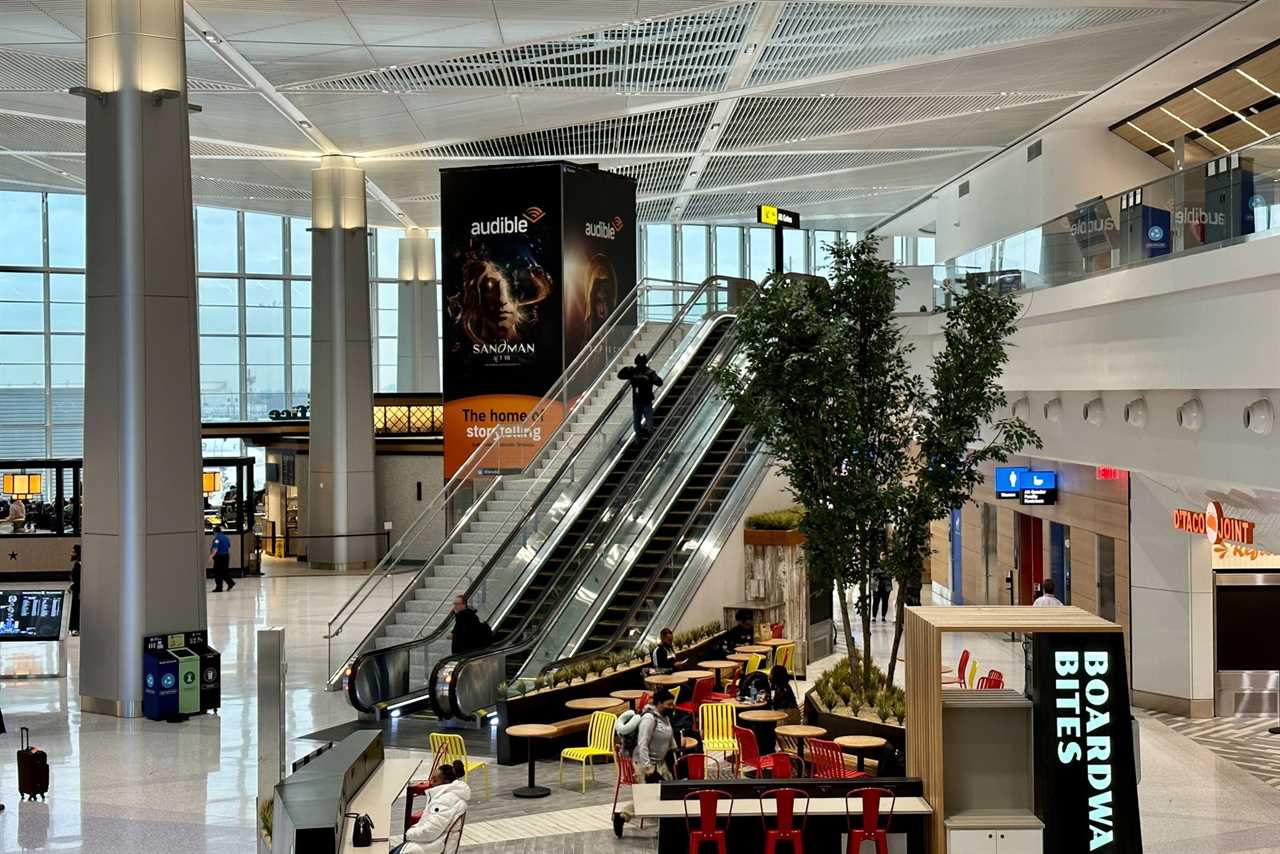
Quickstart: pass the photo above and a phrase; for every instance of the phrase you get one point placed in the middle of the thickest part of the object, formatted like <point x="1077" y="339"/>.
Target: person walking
<point x="880" y="596"/>
<point x="643" y="380"/>
<point x="655" y="748"/>
<point x="220" y="559"/>
<point x="1046" y="598"/>
<point x="73" y="622"/>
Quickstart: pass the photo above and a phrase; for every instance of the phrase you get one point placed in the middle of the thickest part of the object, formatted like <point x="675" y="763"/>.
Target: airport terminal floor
<point x="151" y="788"/>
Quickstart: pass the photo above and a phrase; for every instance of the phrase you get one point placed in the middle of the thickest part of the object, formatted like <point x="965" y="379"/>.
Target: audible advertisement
<point x="599" y="251"/>
<point x="1086" y="777"/>
<point x="503" y="294"/>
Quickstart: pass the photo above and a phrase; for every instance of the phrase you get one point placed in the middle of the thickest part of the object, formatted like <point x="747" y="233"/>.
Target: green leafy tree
<point x="825" y="382"/>
<point x="957" y="430"/>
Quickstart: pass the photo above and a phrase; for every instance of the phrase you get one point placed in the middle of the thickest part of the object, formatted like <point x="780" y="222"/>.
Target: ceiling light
<point x="304" y="123"/>
<point x="211" y="37"/>
<point x="64" y="173"/>
<point x="392" y="67"/>
<point x="749" y="49"/>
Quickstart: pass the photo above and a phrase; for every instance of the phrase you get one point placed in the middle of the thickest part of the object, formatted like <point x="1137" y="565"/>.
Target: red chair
<point x="701" y="694"/>
<point x="776" y="631"/>
<point x="993" y="679"/>
<point x="870" y="829"/>
<point x="696" y="767"/>
<point x="781" y="766"/>
<point x="748" y="757"/>
<point x="626" y="777"/>
<point x="827" y="760"/>
<point x="959" y="678"/>
<point x="730" y="691"/>
<point x="453" y="836"/>
<point x="710" y="827"/>
<point x="785" y="828"/>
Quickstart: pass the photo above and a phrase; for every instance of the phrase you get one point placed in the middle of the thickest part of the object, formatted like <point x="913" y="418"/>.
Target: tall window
<point x="728" y="251"/>
<point x="693" y="253"/>
<point x="822" y="241"/>
<point x="659" y="252"/>
<point x="924" y="251"/>
<point x="759" y="252"/>
<point x="795" y="258"/>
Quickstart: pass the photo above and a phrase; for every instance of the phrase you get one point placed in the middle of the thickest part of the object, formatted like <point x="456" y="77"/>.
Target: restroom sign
<point x="1214" y="524"/>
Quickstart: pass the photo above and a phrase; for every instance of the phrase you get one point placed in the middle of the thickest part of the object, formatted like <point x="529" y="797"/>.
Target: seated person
<point x="447" y="799"/>
<point x="17" y="514"/>
<point x="663" y="657"/>
<point x="743" y="633"/>
<point x="781" y="697"/>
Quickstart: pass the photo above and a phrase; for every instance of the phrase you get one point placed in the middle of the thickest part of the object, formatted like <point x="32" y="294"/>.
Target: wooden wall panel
<point x="940" y="559"/>
<point x="1005" y="523"/>
<point x="1084" y="569"/>
<point x="971" y="544"/>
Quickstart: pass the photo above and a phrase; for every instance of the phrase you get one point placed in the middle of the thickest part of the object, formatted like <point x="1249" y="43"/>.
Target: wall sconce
<point x="1135" y="413"/>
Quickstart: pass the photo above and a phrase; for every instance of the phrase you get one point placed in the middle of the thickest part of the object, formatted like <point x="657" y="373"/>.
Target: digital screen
<point x="30" y="615"/>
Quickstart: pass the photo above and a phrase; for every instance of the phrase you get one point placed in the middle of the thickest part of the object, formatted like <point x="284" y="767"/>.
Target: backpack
<point x="627" y="729"/>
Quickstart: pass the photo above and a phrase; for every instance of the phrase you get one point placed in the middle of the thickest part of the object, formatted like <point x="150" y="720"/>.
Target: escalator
<point x="464" y="684"/>
<point x="636" y="600"/>
<point x="382" y="683"/>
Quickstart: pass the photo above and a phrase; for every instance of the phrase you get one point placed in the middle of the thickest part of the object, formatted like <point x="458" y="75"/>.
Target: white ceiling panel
<point x="245" y="117"/>
<point x="31" y="23"/>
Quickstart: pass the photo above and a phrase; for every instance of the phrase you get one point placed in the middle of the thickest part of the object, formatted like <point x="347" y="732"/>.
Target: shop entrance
<point x="1030" y="550"/>
<point x="1060" y="560"/>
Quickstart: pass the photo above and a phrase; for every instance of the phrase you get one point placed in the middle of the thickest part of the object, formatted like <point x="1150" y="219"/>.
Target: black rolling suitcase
<point x="33" y="768"/>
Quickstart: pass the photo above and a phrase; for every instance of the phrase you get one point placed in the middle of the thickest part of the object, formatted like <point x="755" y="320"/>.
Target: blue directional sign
<point x="1009" y="480"/>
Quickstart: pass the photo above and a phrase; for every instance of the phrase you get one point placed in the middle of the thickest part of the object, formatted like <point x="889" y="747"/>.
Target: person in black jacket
<point x="663" y="657"/>
<point x="469" y="632"/>
<point x="781" y="697"/>
<point x="73" y="623"/>
<point x="643" y="380"/>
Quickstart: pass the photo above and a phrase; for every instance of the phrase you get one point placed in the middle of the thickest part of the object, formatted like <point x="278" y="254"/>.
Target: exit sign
<point x="1110" y="473"/>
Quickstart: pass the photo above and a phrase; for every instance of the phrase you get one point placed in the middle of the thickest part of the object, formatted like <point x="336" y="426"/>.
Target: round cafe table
<point x="529" y="732"/>
<point x="739" y="657"/>
<point x="756" y="648"/>
<point x="776" y="642"/>
<point x="664" y="680"/>
<point x="747" y="704"/>
<point x="718" y="667"/>
<point x="762" y="723"/>
<point x="630" y="695"/>
<point x="593" y="704"/>
<point x="688" y="675"/>
<point x="800" y="732"/>
<point x="860" y="744"/>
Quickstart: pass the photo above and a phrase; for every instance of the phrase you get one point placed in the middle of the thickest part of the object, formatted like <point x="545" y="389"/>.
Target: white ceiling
<point x="843" y="110"/>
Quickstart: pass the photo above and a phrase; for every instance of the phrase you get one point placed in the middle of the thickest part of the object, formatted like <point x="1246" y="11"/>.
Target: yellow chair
<point x="675" y="694"/>
<point x="449" y="746"/>
<point x="754" y="663"/>
<point x="599" y="743"/>
<point x="785" y="656"/>
<point x="715" y="722"/>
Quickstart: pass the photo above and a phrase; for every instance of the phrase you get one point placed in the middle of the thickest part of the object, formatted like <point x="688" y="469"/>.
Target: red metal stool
<point x="785" y="828"/>
<point x="871" y="829"/>
<point x="710" y="828"/>
<point x="748" y="752"/>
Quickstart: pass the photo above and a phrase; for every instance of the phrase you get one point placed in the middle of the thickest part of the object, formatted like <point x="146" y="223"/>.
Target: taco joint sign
<point x="1214" y="524"/>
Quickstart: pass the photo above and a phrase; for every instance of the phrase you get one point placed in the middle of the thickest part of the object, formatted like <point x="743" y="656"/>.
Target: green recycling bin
<point x="188" y="681"/>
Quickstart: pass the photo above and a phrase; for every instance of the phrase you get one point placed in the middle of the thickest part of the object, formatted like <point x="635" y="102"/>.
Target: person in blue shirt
<point x="220" y="555"/>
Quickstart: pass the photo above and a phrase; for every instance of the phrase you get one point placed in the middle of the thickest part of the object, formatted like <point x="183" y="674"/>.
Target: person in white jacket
<point x="447" y="799"/>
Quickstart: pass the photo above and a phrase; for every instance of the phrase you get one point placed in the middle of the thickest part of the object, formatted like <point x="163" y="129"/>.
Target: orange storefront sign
<point x="1214" y="524"/>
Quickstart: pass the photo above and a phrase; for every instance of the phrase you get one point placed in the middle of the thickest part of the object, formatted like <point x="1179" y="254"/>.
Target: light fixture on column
<point x="1135" y="413"/>
<point x="1095" y="412"/>
<point x="417" y="256"/>
<point x="1191" y="415"/>
<point x="1260" y="417"/>
<point x="1053" y="410"/>
<point x="1022" y="408"/>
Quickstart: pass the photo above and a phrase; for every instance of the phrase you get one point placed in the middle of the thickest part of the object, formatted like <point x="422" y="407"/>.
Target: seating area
<point x="966" y="675"/>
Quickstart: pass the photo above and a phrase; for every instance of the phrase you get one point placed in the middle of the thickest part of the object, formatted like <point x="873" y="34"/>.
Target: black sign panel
<point x="1038" y="496"/>
<point x="30" y="615"/>
<point x="1086" y="781"/>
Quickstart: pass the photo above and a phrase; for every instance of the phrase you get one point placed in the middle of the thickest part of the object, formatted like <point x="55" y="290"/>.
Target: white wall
<point x="1010" y="195"/>
<point x="724" y="583"/>
<point x="397" y="497"/>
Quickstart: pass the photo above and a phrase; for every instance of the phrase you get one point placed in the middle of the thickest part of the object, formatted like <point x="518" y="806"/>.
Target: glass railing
<point x="655" y="315"/>
<point x="1231" y="198"/>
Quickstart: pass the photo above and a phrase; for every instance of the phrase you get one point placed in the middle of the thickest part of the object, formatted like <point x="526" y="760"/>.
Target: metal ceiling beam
<point x="246" y="71"/>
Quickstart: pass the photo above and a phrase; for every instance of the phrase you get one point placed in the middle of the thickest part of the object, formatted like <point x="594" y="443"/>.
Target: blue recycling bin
<point x="159" y="684"/>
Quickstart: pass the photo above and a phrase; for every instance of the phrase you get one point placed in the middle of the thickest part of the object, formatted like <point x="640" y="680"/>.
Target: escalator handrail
<point x="467" y="469"/>
<point x="746" y="436"/>
<point x="424" y="639"/>
<point x="518" y="638"/>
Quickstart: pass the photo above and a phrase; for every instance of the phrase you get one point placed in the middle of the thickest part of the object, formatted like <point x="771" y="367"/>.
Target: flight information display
<point x="30" y="615"/>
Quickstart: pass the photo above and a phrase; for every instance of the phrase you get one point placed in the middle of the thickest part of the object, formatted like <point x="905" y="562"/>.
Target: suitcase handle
<point x="24" y="738"/>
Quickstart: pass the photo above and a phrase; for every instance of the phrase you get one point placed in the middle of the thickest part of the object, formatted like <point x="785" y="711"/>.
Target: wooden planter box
<point x="753" y="537"/>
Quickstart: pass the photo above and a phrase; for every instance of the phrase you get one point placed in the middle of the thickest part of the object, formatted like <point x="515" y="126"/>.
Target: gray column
<point x="418" y="334"/>
<point x="340" y="497"/>
<point x="143" y="531"/>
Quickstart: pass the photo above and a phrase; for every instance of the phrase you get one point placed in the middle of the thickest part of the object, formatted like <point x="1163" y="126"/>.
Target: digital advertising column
<point x="536" y="257"/>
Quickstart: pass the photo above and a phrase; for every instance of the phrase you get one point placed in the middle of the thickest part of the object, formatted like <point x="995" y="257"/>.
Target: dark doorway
<point x="1060" y="560"/>
<point x="1030" y="547"/>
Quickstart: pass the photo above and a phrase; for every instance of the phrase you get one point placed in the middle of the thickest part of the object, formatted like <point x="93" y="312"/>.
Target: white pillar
<point x="143" y="528"/>
<point x="418" y="333"/>
<point x="340" y="498"/>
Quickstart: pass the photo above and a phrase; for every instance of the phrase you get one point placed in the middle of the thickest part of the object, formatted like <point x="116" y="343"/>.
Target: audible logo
<point x="605" y="230"/>
<point x="508" y="224"/>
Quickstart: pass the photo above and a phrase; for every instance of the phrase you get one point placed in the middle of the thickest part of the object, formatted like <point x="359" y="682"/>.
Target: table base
<point x="532" y="792"/>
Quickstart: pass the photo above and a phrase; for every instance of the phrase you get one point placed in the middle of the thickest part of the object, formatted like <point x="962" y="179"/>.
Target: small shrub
<point x="884" y="706"/>
<point x="503" y="690"/>
<point x="777" y="520"/>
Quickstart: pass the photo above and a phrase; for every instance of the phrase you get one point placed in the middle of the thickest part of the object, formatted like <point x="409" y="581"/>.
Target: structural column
<point x="341" y="512"/>
<point x="418" y="335"/>
<point x="143" y="528"/>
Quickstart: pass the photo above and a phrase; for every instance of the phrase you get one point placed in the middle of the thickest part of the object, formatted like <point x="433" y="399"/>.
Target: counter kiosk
<point x="1051" y="771"/>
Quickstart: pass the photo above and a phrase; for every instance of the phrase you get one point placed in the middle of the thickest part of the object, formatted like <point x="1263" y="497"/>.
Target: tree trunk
<point x="848" y="626"/>
<point x="900" y="611"/>
<point x="864" y="611"/>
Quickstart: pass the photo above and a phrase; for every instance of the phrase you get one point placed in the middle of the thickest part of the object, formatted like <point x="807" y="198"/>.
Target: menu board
<point x="30" y="615"/>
